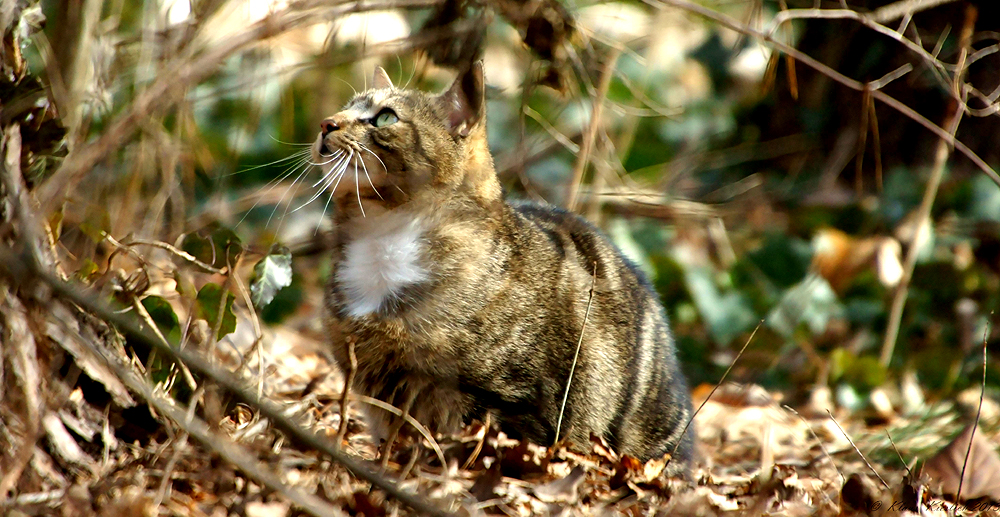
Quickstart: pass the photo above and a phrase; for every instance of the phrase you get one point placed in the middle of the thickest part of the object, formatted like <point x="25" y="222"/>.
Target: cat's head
<point x="389" y="146"/>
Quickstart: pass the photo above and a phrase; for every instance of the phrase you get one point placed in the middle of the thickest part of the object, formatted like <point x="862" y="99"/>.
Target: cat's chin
<point x="366" y="202"/>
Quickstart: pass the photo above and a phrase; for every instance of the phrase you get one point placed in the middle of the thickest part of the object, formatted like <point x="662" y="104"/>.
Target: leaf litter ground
<point x="756" y="455"/>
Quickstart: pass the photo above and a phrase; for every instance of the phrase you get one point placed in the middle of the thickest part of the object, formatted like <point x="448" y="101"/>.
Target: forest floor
<point x="89" y="455"/>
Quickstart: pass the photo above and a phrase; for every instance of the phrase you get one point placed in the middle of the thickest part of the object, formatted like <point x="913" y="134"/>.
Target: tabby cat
<point x="459" y="304"/>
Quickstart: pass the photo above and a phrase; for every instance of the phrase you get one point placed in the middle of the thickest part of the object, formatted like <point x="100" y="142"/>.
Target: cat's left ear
<point x="380" y="79"/>
<point x="464" y="102"/>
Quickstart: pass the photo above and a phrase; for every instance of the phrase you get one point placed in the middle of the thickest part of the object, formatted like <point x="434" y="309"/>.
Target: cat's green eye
<point x="385" y="118"/>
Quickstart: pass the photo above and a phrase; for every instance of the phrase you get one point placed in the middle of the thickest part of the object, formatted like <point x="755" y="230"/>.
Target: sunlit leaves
<point x="271" y="274"/>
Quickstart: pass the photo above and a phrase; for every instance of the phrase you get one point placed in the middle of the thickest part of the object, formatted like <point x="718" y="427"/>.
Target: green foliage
<point x="862" y="373"/>
<point x="214" y="245"/>
<point x="209" y="302"/>
<point x="163" y="316"/>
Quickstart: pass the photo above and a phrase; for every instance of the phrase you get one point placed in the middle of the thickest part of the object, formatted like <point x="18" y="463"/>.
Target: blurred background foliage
<point x="749" y="189"/>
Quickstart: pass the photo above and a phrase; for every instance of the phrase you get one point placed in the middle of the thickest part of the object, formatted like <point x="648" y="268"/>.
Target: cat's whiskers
<point x="325" y="180"/>
<point x="302" y="161"/>
<point x="365" y="167"/>
<point x="322" y="215"/>
<point x="357" y="187"/>
<point x="365" y="148"/>
<point x="297" y="155"/>
<point x="340" y="174"/>
<point x="326" y="175"/>
<point x="305" y="166"/>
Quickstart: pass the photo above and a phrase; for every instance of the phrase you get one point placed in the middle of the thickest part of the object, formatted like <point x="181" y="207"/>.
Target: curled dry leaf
<point x="602" y="449"/>
<point x="63" y="444"/>
<point x="565" y="490"/>
<point x="839" y="258"/>
<point x="982" y="473"/>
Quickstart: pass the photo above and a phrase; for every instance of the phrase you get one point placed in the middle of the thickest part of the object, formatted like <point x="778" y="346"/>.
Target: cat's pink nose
<point x="329" y="126"/>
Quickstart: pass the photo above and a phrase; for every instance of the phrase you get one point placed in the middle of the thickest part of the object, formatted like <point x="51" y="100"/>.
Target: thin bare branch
<point x="184" y="72"/>
<point x="905" y="8"/>
<point x="596" y="112"/>
<point x="346" y="392"/>
<point x="930" y="192"/>
<point x="811" y="62"/>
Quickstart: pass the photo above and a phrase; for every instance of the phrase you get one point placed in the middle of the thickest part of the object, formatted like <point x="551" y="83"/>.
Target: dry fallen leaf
<point x="602" y="449"/>
<point x="840" y="257"/>
<point x="982" y="473"/>
<point x="736" y="395"/>
<point x="563" y="490"/>
<point x="862" y="494"/>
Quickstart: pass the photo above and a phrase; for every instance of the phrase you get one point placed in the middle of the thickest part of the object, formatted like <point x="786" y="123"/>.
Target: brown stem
<point x="346" y="393"/>
<point x="573" y="189"/>
<point x="930" y="192"/>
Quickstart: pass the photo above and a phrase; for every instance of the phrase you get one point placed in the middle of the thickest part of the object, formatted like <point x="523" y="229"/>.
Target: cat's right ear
<point x="464" y="102"/>
<point x="380" y="79"/>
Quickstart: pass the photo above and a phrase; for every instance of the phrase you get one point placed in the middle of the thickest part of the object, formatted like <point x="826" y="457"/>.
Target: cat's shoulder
<point x="551" y="216"/>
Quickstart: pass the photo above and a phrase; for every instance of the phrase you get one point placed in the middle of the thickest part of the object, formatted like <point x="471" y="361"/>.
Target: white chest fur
<point x="379" y="262"/>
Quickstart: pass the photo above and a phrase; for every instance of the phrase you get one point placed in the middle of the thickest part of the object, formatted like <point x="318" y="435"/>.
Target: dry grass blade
<point x="714" y="389"/>
<point x="408" y="419"/>
<point x="979" y="414"/>
<point x="576" y="356"/>
<point x="857" y="450"/>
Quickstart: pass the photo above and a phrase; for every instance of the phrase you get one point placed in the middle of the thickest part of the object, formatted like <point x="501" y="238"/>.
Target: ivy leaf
<point x="88" y="271"/>
<point x="163" y="316"/>
<point x="209" y="298"/>
<point x="270" y="275"/>
<point x="214" y="245"/>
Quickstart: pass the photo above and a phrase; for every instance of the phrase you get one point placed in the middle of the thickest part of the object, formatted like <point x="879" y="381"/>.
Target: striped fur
<point x="495" y="294"/>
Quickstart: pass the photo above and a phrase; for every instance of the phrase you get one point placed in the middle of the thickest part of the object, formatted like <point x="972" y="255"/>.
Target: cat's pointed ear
<point x="464" y="102"/>
<point x="380" y="79"/>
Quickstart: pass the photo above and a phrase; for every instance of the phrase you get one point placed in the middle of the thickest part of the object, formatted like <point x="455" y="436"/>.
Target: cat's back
<point x="628" y="382"/>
